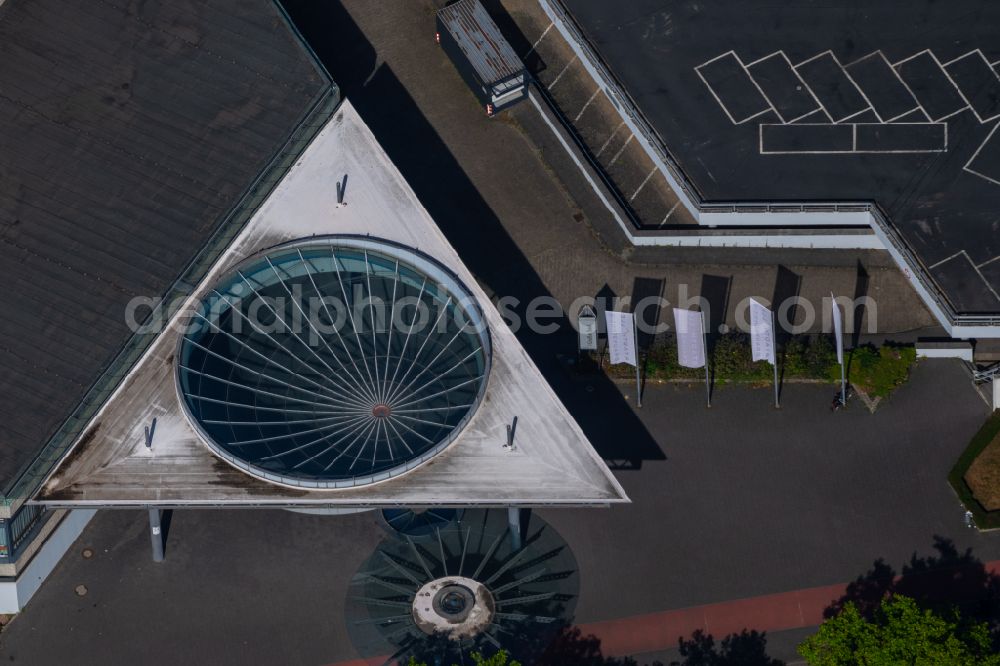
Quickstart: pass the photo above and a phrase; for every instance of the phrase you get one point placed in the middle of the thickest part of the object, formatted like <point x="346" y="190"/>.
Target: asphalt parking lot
<point x="593" y="115"/>
<point x="744" y="500"/>
<point x="757" y="104"/>
<point x="508" y="198"/>
<point x="732" y="502"/>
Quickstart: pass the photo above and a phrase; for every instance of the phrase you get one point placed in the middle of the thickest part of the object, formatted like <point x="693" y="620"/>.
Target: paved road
<point x="732" y="502"/>
<point x="747" y="501"/>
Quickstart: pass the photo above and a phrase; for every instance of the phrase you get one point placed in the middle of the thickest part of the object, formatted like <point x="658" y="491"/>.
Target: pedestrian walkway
<point x="654" y="632"/>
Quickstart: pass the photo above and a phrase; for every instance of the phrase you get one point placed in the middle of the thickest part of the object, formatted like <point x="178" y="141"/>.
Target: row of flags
<point x="692" y="342"/>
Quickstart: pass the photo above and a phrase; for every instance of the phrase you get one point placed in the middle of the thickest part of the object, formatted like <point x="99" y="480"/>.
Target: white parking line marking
<point x="586" y="104"/>
<point x="976" y="154"/>
<point x="905" y="85"/>
<point x="560" y="75"/>
<point x="849" y="78"/>
<point x="818" y="55"/>
<point x="855" y="115"/>
<point x="605" y="145"/>
<point x="855" y="150"/>
<point x="909" y="58"/>
<point x="621" y="150"/>
<point x="968" y="104"/>
<point x="944" y="71"/>
<point x="806" y="87"/>
<point x="814" y="111"/>
<point x="670" y="212"/>
<point x="906" y="113"/>
<point x="863" y="95"/>
<point x="995" y="73"/>
<point x="947" y="259"/>
<point x="965" y="254"/>
<point x="539" y="40"/>
<point x="769" y="55"/>
<point x="955" y="113"/>
<point x="583" y="170"/>
<point x="711" y="91"/>
<point x="642" y="184"/>
<point x="864" y="57"/>
<point x="965" y="55"/>
<point x="989" y="261"/>
<point x="759" y="89"/>
<point x="756" y="115"/>
<point x="718" y="57"/>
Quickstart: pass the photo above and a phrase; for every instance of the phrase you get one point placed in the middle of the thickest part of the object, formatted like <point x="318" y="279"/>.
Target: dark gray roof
<point x="128" y="130"/>
<point x="719" y="81"/>
<point x="481" y="41"/>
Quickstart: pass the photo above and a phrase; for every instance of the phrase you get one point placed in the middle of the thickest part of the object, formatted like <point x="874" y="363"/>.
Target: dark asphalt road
<point x="735" y="501"/>
<point x="747" y="501"/>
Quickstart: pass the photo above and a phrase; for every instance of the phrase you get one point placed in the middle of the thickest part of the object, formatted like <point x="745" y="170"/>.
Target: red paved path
<point x="653" y="632"/>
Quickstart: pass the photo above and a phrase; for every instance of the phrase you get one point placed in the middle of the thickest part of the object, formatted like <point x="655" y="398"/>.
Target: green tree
<point x="501" y="658"/>
<point x="899" y="632"/>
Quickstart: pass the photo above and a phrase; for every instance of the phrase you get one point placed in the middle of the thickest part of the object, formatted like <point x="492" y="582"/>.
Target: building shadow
<point x="647" y="296"/>
<point x="950" y="578"/>
<point x="522" y="46"/>
<point x="715" y="291"/>
<point x="166" y="518"/>
<point x="787" y="287"/>
<point x="604" y="300"/>
<point x="861" y="286"/>
<point x="647" y="300"/>
<point x="857" y="315"/>
<point x="747" y="648"/>
<point x="468" y="222"/>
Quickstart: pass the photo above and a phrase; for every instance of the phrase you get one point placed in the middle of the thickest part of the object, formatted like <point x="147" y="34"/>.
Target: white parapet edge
<point x="17" y="592"/>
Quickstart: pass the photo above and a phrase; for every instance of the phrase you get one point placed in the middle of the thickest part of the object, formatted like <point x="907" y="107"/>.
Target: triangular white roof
<point x="552" y="463"/>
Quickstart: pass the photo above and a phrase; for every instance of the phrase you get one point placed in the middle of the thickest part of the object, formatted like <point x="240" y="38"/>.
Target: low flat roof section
<point x="551" y="464"/>
<point x="128" y="132"/>
<point x="479" y="38"/>
<point x="858" y="101"/>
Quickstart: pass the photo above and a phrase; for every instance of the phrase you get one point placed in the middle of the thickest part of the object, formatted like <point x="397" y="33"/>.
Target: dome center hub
<point x="381" y="411"/>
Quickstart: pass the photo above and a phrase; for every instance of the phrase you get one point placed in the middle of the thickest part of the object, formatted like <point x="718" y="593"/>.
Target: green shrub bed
<point x="990" y="430"/>
<point x="876" y="370"/>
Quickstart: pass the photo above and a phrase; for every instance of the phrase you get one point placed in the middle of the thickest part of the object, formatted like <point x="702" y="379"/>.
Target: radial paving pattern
<point x="487" y="594"/>
<point x="334" y="362"/>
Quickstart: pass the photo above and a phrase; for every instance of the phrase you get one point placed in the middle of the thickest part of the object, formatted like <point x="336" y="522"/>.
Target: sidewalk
<point x="654" y="632"/>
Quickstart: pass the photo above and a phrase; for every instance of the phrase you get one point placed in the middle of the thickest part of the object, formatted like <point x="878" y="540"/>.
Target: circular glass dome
<point x="334" y="362"/>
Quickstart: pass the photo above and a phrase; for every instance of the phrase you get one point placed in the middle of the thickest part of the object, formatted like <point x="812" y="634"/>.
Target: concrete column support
<point x="156" y="534"/>
<point x="514" y="525"/>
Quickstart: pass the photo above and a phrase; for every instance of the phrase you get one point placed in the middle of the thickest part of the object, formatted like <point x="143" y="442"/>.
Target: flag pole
<point x="843" y="384"/>
<point x="708" y="386"/>
<point x="638" y="380"/>
<point x="774" y="351"/>
<point x="839" y="335"/>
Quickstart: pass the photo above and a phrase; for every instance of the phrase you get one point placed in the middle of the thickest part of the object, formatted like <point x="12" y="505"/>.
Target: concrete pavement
<point x="747" y="501"/>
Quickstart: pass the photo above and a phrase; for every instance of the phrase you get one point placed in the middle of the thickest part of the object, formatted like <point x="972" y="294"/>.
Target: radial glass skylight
<point x="334" y="362"/>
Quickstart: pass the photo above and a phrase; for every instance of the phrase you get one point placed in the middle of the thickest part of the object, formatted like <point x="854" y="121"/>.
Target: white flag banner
<point x="761" y="333"/>
<point x="690" y="338"/>
<point x="586" y="323"/>
<point x="621" y="337"/>
<point x="838" y="329"/>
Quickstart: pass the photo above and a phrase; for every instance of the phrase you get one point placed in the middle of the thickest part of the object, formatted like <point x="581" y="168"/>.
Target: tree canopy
<point x="501" y="658"/>
<point x="899" y="632"/>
